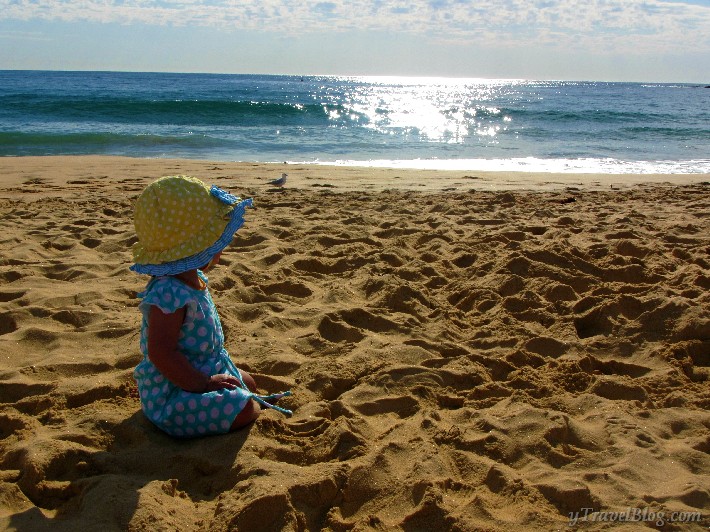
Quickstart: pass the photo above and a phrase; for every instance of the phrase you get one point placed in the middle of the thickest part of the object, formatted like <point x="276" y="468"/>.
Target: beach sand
<point x="466" y="351"/>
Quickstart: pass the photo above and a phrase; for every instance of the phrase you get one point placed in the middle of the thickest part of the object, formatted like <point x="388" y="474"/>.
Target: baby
<point x="187" y="382"/>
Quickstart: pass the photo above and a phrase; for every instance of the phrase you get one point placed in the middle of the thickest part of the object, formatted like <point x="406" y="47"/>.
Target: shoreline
<point x="56" y="170"/>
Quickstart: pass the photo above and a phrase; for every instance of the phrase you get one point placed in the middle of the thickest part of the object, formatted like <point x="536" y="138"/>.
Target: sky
<point x="597" y="40"/>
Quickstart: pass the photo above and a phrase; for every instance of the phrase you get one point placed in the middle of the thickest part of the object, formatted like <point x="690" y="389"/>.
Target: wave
<point x="680" y="133"/>
<point x="161" y="112"/>
<point x="16" y="143"/>
<point x="41" y="109"/>
<point x="584" y="116"/>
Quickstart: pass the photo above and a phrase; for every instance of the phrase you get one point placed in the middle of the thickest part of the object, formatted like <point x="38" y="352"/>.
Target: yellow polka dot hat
<point x="182" y="223"/>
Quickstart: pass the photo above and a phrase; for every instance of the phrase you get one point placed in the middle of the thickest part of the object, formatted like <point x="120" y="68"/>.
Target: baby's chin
<point x="209" y="266"/>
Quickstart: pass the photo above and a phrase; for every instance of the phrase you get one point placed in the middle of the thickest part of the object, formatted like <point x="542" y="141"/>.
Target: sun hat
<point x="182" y="223"/>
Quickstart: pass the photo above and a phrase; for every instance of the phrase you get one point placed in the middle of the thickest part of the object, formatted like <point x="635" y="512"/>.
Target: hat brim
<point x="236" y="220"/>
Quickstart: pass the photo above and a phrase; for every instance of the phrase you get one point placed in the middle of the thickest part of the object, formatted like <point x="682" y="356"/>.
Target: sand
<point x="467" y="351"/>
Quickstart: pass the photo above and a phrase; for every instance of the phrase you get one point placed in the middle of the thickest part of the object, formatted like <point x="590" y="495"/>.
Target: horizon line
<point x="360" y="76"/>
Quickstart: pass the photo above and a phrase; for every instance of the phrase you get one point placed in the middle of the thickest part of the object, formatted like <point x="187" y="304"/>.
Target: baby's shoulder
<point x="164" y="282"/>
<point x="167" y="293"/>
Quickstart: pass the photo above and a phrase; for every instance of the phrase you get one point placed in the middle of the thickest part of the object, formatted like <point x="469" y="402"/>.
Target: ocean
<point x="437" y="123"/>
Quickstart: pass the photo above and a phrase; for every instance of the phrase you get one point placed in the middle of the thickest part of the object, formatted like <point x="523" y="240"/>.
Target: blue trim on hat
<point x="203" y="257"/>
<point x="224" y="196"/>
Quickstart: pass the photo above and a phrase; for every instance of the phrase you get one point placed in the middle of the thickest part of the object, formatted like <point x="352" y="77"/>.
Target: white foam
<point x="532" y="164"/>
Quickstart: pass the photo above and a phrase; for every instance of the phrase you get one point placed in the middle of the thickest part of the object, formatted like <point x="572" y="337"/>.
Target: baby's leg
<point x="248" y="380"/>
<point x="249" y="414"/>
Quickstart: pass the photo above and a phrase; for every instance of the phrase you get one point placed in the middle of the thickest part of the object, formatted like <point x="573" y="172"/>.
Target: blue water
<point x="401" y="122"/>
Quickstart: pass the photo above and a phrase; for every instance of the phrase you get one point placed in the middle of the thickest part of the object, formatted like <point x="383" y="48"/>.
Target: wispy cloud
<point x="24" y="36"/>
<point x="647" y="25"/>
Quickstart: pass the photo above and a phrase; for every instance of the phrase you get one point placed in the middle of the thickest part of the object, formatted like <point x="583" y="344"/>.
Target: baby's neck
<point x="191" y="279"/>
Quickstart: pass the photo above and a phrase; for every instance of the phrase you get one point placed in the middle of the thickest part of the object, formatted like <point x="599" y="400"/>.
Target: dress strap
<point x="261" y="399"/>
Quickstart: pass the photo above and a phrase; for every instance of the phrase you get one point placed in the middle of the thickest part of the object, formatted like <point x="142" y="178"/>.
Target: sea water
<point x="437" y="123"/>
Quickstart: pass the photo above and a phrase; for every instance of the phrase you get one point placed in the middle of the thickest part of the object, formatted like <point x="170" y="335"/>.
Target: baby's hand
<point x="222" y="381"/>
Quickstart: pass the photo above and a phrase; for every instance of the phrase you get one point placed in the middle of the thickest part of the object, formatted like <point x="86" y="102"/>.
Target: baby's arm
<point x="163" y="333"/>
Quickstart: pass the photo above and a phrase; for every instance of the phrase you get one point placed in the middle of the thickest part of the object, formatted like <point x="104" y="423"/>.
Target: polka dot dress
<point x="201" y="340"/>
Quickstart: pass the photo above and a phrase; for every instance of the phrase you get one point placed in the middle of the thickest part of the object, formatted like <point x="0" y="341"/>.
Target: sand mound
<point x="460" y="361"/>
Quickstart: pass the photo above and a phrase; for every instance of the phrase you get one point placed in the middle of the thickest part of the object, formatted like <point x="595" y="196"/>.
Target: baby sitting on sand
<point x="187" y="382"/>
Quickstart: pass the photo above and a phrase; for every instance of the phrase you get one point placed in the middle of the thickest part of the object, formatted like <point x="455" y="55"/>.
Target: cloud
<point x="24" y="36"/>
<point x="647" y="25"/>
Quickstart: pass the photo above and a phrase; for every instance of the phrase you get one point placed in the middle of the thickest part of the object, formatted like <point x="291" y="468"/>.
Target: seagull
<point x="281" y="181"/>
